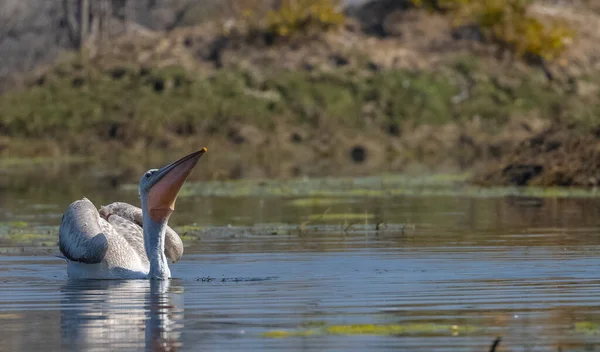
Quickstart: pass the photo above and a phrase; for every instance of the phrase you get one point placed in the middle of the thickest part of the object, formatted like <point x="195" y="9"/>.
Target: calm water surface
<point x="465" y="271"/>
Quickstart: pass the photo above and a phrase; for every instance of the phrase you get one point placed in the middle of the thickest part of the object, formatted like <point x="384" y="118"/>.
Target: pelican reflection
<point x="121" y="315"/>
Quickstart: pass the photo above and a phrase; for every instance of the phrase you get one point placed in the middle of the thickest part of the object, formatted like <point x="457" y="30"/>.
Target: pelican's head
<point x="159" y="187"/>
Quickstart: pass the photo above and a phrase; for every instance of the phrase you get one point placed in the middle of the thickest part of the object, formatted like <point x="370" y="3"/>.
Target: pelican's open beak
<point x="169" y="179"/>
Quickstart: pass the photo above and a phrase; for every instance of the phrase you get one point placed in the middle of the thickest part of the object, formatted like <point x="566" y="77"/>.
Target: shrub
<point x="301" y="16"/>
<point x="289" y="18"/>
<point x="508" y="23"/>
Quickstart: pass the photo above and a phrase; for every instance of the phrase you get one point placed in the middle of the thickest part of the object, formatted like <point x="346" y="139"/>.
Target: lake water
<point x="358" y="272"/>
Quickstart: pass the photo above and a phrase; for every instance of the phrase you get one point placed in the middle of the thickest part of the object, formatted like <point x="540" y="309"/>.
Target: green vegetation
<point x="508" y="23"/>
<point x="289" y="18"/>
<point x="77" y="103"/>
<point x="318" y="202"/>
<point x="21" y="233"/>
<point x="344" y="216"/>
<point x="302" y="16"/>
<point x="375" y="186"/>
<point x="587" y="328"/>
<point x="376" y="330"/>
<point x="291" y="103"/>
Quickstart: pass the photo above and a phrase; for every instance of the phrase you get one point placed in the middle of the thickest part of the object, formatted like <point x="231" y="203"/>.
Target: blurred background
<point x="506" y="90"/>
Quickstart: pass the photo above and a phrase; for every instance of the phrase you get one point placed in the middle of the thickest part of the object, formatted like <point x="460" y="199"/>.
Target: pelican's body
<point x="122" y="241"/>
<point x="113" y="239"/>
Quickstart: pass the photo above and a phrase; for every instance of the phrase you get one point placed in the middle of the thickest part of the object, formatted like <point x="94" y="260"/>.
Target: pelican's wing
<point x="82" y="236"/>
<point x="124" y="210"/>
<point x="132" y="233"/>
<point x="173" y="243"/>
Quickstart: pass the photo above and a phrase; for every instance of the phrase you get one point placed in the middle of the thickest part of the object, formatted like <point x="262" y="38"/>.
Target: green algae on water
<point x="330" y="188"/>
<point x="374" y="330"/>
<point x="317" y="202"/>
<point x="343" y="216"/>
<point x="22" y="233"/>
<point x="587" y="328"/>
<point x="279" y="334"/>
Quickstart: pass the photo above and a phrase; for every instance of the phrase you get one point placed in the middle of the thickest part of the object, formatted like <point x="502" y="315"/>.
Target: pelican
<point x="122" y="241"/>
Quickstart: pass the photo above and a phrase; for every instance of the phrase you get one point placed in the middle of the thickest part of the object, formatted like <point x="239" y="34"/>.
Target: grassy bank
<point x="296" y="108"/>
<point x="136" y="103"/>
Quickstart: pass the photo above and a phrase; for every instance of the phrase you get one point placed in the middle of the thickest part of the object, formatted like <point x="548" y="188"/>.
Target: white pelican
<point x="122" y="241"/>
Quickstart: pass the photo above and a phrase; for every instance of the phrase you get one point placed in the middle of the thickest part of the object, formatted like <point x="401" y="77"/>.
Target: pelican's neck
<point x="154" y="243"/>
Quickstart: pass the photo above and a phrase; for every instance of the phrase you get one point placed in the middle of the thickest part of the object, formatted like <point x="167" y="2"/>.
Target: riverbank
<point x="341" y="102"/>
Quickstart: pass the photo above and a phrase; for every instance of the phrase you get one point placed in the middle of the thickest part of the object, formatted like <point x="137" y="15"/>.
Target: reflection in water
<point x="116" y="315"/>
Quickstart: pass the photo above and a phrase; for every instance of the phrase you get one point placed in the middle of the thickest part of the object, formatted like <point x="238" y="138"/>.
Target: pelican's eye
<point x="148" y="174"/>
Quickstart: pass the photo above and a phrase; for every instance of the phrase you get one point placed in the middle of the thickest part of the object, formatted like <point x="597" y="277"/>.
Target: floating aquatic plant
<point x="373" y="329"/>
<point x="587" y="328"/>
<point x="377" y="186"/>
<point x="343" y="216"/>
<point x="317" y="202"/>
